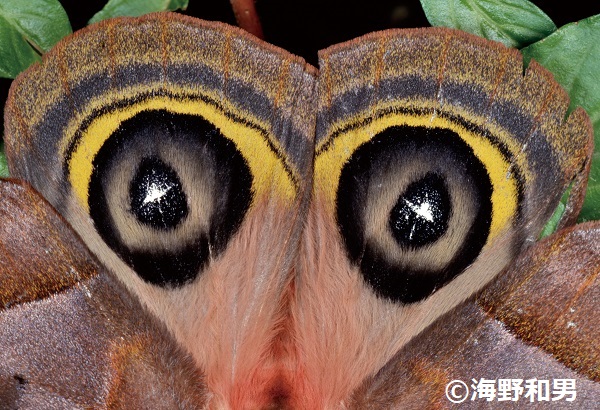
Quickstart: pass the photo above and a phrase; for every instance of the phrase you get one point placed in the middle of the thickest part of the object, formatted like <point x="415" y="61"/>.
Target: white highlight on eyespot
<point x="156" y="191"/>
<point x="423" y="210"/>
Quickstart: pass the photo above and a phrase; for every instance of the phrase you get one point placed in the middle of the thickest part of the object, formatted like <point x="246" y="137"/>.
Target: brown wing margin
<point x="70" y="335"/>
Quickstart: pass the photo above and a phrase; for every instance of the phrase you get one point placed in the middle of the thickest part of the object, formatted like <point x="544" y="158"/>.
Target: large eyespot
<point x="168" y="179"/>
<point x="417" y="197"/>
<point x="168" y="191"/>
<point x="414" y="209"/>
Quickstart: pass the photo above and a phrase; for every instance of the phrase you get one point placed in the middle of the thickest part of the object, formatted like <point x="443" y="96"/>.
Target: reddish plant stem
<point x="247" y="17"/>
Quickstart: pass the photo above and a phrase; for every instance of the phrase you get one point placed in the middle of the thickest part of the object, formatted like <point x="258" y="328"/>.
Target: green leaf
<point x="27" y="29"/>
<point x="515" y="23"/>
<point x="591" y="204"/>
<point x="552" y="224"/>
<point x="572" y="54"/>
<point x="134" y="8"/>
<point x="3" y="164"/>
<point x="15" y="53"/>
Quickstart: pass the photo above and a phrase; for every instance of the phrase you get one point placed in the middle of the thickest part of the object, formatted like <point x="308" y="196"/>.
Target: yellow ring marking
<point x="329" y="163"/>
<point x="268" y="171"/>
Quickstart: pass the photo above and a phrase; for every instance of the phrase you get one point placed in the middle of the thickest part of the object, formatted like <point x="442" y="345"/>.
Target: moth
<point x="199" y="219"/>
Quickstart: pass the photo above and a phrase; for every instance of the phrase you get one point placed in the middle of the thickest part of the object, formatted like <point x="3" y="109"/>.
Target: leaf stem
<point x="247" y="17"/>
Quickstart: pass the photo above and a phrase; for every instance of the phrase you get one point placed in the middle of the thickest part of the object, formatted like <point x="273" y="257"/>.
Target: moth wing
<point x="438" y="160"/>
<point x="71" y="336"/>
<point x="228" y="120"/>
<point x="537" y="320"/>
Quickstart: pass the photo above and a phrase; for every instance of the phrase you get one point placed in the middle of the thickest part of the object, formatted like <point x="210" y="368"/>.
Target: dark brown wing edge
<point x="539" y="319"/>
<point x="70" y="334"/>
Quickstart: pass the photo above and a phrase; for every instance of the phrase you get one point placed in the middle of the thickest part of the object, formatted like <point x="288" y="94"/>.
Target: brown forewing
<point x="70" y="335"/>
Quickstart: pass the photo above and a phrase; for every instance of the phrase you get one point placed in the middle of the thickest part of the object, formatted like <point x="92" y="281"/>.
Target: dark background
<point x="305" y="26"/>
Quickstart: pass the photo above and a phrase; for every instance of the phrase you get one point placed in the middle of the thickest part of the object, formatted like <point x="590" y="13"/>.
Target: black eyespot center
<point x="421" y="214"/>
<point x="157" y="196"/>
